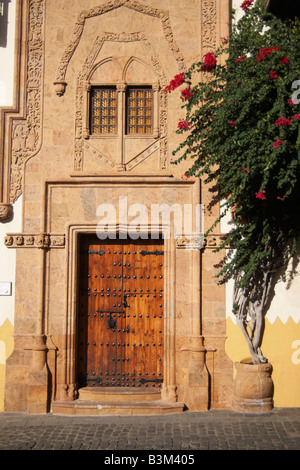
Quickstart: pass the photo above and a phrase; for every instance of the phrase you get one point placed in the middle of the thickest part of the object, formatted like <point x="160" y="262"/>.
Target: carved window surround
<point x="121" y="133"/>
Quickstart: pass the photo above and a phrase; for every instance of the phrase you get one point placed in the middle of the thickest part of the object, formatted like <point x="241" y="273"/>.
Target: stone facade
<point x="64" y="174"/>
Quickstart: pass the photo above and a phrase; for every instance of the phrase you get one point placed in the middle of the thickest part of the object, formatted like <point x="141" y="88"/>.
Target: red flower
<point x="285" y="60"/>
<point x="265" y="52"/>
<point x="261" y="195"/>
<point x="175" y="83"/>
<point x="182" y="125"/>
<point x="284" y="122"/>
<point x="186" y="94"/>
<point x="246" y="5"/>
<point x="232" y="123"/>
<point x="245" y="170"/>
<point x="210" y="62"/>
<point x="293" y="102"/>
<point x="273" y="74"/>
<point x="281" y="198"/>
<point x="241" y="59"/>
<point x="296" y="117"/>
<point x="277" y="143"/>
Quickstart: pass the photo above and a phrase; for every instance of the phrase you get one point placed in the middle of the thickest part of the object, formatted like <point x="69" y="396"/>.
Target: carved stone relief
<point x="83" y="84"/>
<point x="44" y="240"/>
<point x="208" y="22"/>
<point x="26" y="134"/>
<point x="6" y="212"/>
<point x="163" y="15"/>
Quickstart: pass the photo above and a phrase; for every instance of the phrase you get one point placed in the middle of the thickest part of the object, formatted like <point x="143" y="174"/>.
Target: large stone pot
<point x="253" y="387"/>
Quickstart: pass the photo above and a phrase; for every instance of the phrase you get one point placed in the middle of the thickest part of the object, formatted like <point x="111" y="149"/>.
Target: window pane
<point x="103" y="110"/>
<point x="139" y="110"/>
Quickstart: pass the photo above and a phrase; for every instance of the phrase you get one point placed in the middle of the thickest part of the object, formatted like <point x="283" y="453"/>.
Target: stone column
<point x="121" y="90"/>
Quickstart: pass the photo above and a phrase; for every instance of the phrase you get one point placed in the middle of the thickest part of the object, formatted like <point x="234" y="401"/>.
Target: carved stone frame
<point x="168" y="392"/>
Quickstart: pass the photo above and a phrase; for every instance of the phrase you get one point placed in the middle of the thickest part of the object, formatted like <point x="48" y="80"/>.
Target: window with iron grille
<point x="139" y="110"/>
<point x="103" y="110"/>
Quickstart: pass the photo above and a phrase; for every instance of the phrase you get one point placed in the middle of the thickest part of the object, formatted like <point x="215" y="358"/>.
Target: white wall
<point x="8" y="256"/>
<point x="7" y="60"/>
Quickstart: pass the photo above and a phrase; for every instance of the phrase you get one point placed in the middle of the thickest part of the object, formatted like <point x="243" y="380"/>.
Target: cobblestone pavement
<point x="187" y="432"/>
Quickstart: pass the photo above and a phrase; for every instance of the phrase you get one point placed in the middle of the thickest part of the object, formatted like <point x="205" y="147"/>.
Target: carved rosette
<point x="43" y="241"/>
<point x="6" y="212"/>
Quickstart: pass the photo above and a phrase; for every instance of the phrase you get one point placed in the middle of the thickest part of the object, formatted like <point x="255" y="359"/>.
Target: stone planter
<point x="253" y="388"/>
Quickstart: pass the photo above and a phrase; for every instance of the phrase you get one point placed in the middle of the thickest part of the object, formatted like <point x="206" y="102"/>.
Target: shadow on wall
<point x="3" y="22"/>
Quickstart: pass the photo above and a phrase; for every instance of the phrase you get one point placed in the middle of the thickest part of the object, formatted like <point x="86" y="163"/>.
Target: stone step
<point x="87" y="407"/>
<point x="119" y="394"/>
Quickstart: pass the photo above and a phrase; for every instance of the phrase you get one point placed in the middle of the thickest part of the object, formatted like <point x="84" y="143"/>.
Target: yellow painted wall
<point x="6" y="348"/>
<point x="281" y="345"/>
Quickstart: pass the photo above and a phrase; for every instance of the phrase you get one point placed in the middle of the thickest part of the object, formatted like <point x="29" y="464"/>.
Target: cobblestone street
<point x="188" y="431"/>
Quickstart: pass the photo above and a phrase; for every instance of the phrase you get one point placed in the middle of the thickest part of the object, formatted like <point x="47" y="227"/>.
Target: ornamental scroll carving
<point x="208" y="22"/>
<point x="26" y="134"/>
<point x="163" y="15"/>
<point x="209" y="29"/>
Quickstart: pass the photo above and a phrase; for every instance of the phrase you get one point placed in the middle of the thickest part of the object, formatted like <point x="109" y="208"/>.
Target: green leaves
<point x="234" y="141"/>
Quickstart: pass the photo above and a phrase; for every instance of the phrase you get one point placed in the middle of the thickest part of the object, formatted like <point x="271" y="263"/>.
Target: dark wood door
<point x="121" y="321"/>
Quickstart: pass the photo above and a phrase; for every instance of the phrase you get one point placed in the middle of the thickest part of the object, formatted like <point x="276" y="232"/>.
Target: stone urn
<point x="253" y="387"/>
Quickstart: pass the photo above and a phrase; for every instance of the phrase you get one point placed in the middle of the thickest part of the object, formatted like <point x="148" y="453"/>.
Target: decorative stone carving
<point x="190" y="242"/>
<point x="198" y="242"/>
<point x="6" y="212"/>
<point x="208" y="22"/>
<point x="26" y="135"/>
<point x="215" y="240"/>
<point x="82" y="84"/>
<point x="44" y="241"/>
<point x="163" y="15"/>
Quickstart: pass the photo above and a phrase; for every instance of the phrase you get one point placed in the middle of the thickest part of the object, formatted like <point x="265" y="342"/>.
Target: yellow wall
<point x="6" y="348"/>
<point x="281" y="345"/>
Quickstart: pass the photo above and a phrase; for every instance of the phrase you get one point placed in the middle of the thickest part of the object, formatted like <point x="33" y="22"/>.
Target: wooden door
<point x="121" y="321"/>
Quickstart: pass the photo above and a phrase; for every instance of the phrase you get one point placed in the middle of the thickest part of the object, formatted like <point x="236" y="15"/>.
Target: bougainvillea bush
<point x="241" y="134"/>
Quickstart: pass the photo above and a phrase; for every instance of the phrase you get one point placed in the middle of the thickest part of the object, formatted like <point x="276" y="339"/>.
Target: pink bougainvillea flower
<point x="175" y="83"/>
<point x="246" y="5"/>
<point x="296" y="117"/>
<point x="273" y="74"/>
<point x="245" y="170"/>
<point x="210" y="62"/>
<point x="285" y="60"/>
<point x="232" y="123"/>
<point x="293" y="102"/>
<point x="182" y="125"/>
<point x="186" y="94"/>
<point x="261" y="195"/>
<point x="241" y="59"/>
<point x="284" y="122"/>
<point x="281" y="198"/>
<point x="277" y="143"/>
